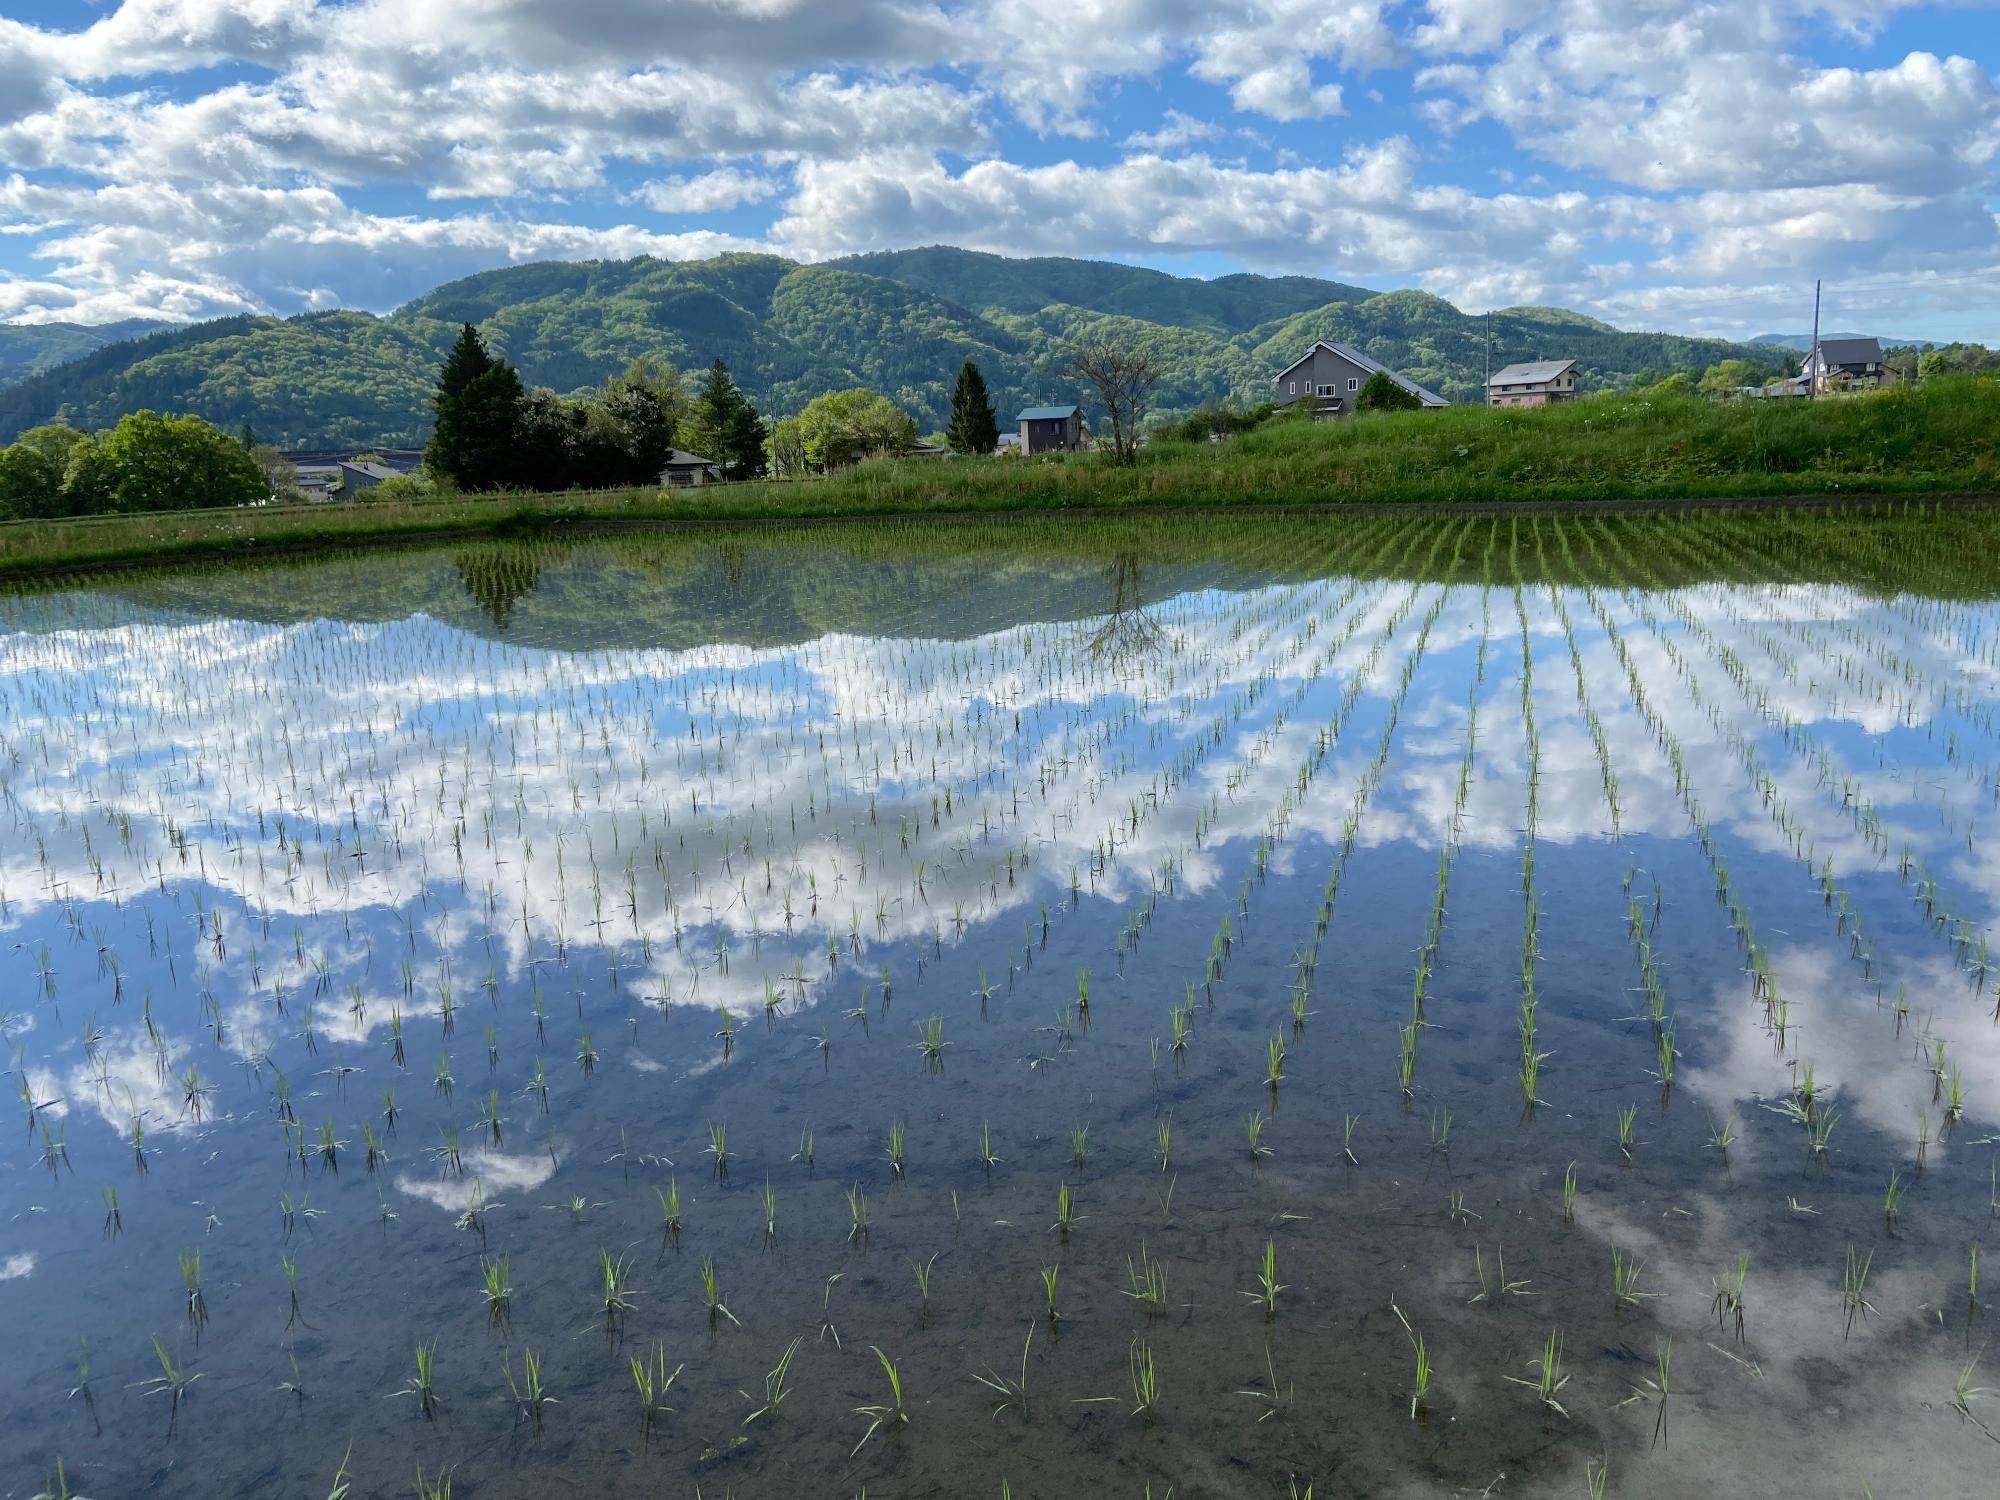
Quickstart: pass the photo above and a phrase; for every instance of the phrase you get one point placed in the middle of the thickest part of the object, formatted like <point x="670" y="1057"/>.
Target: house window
<point x="1326" y="390"/>
<point x="1292" y="388"/>
<point x="1353" y="384"/>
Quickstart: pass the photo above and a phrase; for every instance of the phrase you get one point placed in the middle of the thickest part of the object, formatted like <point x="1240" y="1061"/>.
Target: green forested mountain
<point x="30" y="348"/>
<point x="900" y="322"/>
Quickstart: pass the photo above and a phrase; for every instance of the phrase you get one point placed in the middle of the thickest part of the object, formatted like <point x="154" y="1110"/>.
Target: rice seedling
<point x="1146" y="1283"/>
<point x="1722" y="1133"/>
<point x="776" y="1386"/>
<point x="1626" y="1269"/>
<point x="291" y="1272"/>
<point x="435" y="1487"/>
<point x="1274" y="1052"/>
<point x="857" y="1213"/>
<point x="921" y="1269"/>
<point x="1663" y="1359"/>
<point x="1441" y="1131"/>
<point x="651" y="1378"/>
<point x="712" y="1298"/>
<point x="1420" y="1378"/>
<point x="1268" y="1285"/>
<point x="1145" y="1381"/>
<point x="1964" y="1393"/>
<point x="1596" y="1475"/>
<point x="1012" y="1392"/>
<point x="1892" y="1201"/>
<point x="1550" y="1377"/>
<point x="1820" y="1129"/>
<point x="194" y="1303"/>
<point x="586" y="1054"/>
<point x="496" y="1273"/>
<point x="114" y="1222"/>
<point x="1627" y="1117"/>
<point x="931" y="1042"/>
<point x="987" y="1158"/>
<point x="891" y="1415"/>
<point x="614" y="1287"/>
<point x="1854" y="1287"/>
<point x="423" y="1384"/>
<point x="530" y="1394"/>
<point x="172" y="1382"/>
<point x="718" y="1147"/>
<point x="894" y="1150"/>
<point x="1347" y="1124"/>
<point x="1066" y="1216"/>
<point x="1079" y="1144"/>
<point x="328" y="1148"/>
<point x="1050" y="1275"/>
<point x="1728" y="1300"/>
<point x="1253" y="1128"/>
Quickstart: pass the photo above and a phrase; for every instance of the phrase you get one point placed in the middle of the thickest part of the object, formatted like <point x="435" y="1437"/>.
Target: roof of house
<point x="1851" y="351"/>
<point x="676" y="459"/>
<point x="1531" y="372"/>
<point x="373" y="471"/>
<point x="1046" y="414"/>
<point x="1373" y="366"/>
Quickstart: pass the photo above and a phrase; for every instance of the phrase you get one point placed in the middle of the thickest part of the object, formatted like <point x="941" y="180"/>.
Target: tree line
<point x="491" y="434"/>
<point x="147" y="462"/>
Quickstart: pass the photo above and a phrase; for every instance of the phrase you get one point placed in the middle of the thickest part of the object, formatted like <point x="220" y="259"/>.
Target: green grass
<point x="1941" y="437"/>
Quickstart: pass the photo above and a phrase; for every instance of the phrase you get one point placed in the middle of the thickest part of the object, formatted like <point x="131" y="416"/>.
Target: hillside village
<point x="678" y="375"/>
<point x="1325" y="383"/>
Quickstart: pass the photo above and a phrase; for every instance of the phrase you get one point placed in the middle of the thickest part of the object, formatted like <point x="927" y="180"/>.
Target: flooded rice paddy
<point x="1226" y="1007"/>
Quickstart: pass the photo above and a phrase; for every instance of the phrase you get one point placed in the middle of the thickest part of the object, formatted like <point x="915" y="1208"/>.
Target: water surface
<point x="385" y="916"/>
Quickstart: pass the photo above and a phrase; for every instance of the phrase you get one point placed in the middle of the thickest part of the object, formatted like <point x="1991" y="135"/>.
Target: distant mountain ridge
<point x="898" y="321"/>
<point x="1799" y="343"/>
<point x="30" y="348"/>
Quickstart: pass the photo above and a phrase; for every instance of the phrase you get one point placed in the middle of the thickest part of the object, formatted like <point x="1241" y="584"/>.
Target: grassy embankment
<point x="1943" y="438"/>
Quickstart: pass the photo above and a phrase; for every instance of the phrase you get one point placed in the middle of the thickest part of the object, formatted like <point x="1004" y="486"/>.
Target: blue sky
<point x="1680" y="164"/>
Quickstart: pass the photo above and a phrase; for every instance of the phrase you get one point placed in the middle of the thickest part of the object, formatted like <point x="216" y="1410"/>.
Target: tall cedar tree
<point x="475" y="444"/>
<point x="723" y="427"/>
<point x="974" y="428"/>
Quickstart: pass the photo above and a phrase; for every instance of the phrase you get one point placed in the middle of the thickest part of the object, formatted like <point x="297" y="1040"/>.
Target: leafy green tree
<point x="30" y="486"/>
<point x="973" y="427"/>
<point x="90" y="479"/>
<point x="177" y="463"/>
<point x="54" y="441"/>
<point x="549" y="442"/>
<point x="787" y="447"/>
<point x="841" y="426"/>
<point x="637" y="416"/>
<point x="1379" y="393"/>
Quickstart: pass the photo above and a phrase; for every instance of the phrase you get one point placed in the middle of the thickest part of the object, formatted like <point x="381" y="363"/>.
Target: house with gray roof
<point x="1051" y="429"/>
<point x="1847" y="364"/>
<point x="1329" y="376"/>
<point x="354" y="478"/>
<point x="688" y="468"/>
<point x="1537" y="382"/>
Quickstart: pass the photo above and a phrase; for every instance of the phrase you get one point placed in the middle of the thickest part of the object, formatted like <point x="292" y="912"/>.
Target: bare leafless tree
<point x="1123" y="374"/>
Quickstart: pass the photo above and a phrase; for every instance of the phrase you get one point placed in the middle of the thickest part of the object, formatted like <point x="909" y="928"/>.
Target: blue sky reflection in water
<point x="425" y="911"/>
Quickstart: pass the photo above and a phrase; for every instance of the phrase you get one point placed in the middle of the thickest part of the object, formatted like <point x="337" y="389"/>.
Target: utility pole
<point x="1812" y="370"/>
<point x="1486" y="392"/>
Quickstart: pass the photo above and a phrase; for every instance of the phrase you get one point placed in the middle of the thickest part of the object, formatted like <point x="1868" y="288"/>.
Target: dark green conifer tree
<point x="973" y="427"/>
